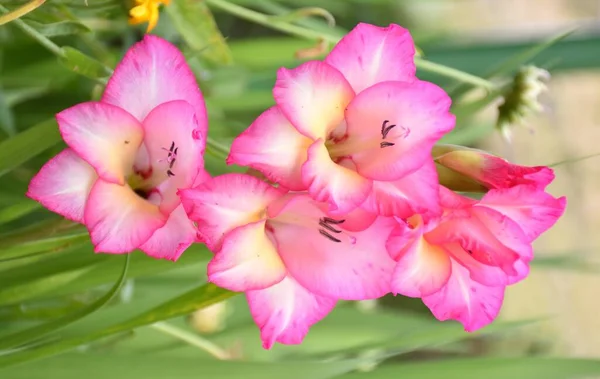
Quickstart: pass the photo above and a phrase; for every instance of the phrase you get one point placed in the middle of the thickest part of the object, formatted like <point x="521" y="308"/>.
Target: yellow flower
<point x="146" y="11"/>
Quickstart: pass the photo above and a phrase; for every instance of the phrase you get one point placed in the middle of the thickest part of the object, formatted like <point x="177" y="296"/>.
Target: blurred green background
<point x="66" y="312"/>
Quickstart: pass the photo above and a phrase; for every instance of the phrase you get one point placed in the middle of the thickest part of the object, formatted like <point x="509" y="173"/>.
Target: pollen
<point x="146" y="11"/>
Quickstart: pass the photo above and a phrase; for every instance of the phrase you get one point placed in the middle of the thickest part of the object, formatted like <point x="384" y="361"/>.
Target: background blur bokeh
<point x="48" y="272"/>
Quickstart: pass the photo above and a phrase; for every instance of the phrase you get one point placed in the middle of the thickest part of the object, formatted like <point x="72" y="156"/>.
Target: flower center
<point x="328" y="226"/>
<point x="348" y="145"/>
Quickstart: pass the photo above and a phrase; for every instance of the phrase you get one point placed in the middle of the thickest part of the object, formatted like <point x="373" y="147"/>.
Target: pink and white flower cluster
<point x="352" y="207"/>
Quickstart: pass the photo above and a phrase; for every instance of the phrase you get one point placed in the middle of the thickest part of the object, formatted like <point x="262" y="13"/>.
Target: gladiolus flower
<point x="146" y="11"/>
<point x="460" y="263"/>
<point x="472" y="170"/>
<point x="291" y="257"/>
<point x="355" y="130"/>
<point x="128" y="155"/>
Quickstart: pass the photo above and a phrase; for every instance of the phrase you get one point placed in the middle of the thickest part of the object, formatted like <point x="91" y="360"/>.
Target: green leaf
<point x="197" y="298"/>
<point x="102" y="366"/>
<point x="26" y="145"/>
<point x="62" y="28"/>
<point x="488" y="368"/>
<point x="7" y="119"/>
<point x="84" y="65"/>
<point x="39" y="331"/>
<point x="13" y="212"/>
<point x="197" y="26"/>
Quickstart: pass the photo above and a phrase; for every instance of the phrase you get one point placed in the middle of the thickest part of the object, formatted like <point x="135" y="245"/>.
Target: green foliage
<point x="66" y="312"/>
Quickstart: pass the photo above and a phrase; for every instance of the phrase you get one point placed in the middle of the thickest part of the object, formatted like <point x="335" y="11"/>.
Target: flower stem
<point x="20" y="12"/>
<point x="278" y="23"/>
<point x="43" y="40"/>
<point x="192" y="339"/>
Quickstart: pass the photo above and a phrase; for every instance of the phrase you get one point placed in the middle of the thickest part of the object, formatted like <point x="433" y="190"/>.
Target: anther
<point x="170" y="173"/>
<point x="386" y="129"/>
<point x="329" y="227"/>
<point x="324" y="233"/>
<point x="330" y="220"/>
<point x="386" y="144"/>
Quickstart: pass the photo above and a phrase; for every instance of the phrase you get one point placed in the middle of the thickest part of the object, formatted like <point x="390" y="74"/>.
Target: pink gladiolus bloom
<point x="355" y="130"/>
<point x="128" y="155"/>
<point x="488" y="170"/>
<point x="461" y="263"/>
<point x="293" y="259"/>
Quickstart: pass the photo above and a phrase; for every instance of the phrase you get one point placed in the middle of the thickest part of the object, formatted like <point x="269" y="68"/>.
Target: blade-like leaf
<point x="39" y="331"/>
<point x="84" y="65"/>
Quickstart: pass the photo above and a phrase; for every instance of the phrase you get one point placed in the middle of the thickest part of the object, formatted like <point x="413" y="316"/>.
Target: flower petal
<point x="472" y="304"/>
<point x="346" y="265"/>
<point x="371" y="54"/>
<point x="221" y="204"/>
<point x="247" y="260"/>
<point x="313" y="97"/>
<point x="105" y="136"/>
<point x="175" y="146"/>
<point x="285" y="311"/>
<point x="274" y="147"/>
<point x="392" y="127"/>
<point x="63" y="185"/>
<point x="170" y="241"/>
<point x="422" y="268"/>
<point x="479" y="272"/>
<point x="119" y="220"/>
<point x="417" y="192"/>
<point x="153" y="72"/>
<point x="341" y="187"/>
<point x="534" y="210"/>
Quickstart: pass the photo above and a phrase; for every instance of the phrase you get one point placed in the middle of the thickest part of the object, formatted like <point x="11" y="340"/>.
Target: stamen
<point x="324" y="233"/>
<point x="386" y="144"/>
<point x="386" y="129"/>
<point x="329" y="227"/>
<point x="330" y="220"/>
<point x="170" y="173"/>
<point x="383" y="126"/>
<point x="172" y="163"/>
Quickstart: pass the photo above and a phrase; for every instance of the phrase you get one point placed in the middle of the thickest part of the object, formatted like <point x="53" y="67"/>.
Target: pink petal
<point x="534" y="210"/>
<point x="226" y="202"/>
<point x="173" y="124"/>
<point x="119" y="220"/>
<point x="422" y="268"/>
<point x="285" y="311"/>
<point x="341" y="187"/>
<point x="274" y="147"/>
<point x="487" y="236"/>
<point x="247" y="261"/>
<point x="105" y="136"/>
<point x="418" y="112"/>
<point x="472" y="304"/>
<point x="313" y="97"/>
<point x="153" y="72"/>
<point x="63" y="185"/>
<point x="417" y="192"/>
<point x="479" y="272"/>
<point x="522" y="268"/>
<point x="170" y="241"/>
<point x="371" y="54"/>
<point x="355" y="267"/>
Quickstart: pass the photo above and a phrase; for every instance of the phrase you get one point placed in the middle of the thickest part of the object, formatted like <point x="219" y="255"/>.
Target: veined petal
<point x="417" y="192"/>
<point x="63" y="185"/>
<point x="371" y="54"/>
<point x="285" y="311"/>
<point x="119" y="220"/>
<point x="223" y="203"/>
<point x="472" y="304"/>
<point x="153" y="72"/>
<point x="105" y="136"/>
<point x="479" y="272"/>
<point x="341" y="187"/>
<point x="392" y="127"/>
<point x="247" y="260"/>
<point x="170" y="241"/>
<point x="422" y="268"/>
<point x="534" y="210"/>
<point x="274" y="147"/>
<point x="328" y="260"/>
<point x="175" y="147"/>
<point x="313" y="97"/>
